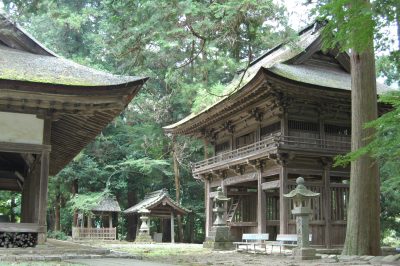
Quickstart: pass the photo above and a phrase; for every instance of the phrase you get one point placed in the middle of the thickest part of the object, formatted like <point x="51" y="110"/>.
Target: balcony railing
<point x="275" y="142"/>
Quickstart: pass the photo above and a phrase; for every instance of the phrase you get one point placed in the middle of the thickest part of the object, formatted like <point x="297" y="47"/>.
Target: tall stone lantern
<point x="301" y="197"/>
<point x="219" y="237"/>
<point x="144" y="231"/>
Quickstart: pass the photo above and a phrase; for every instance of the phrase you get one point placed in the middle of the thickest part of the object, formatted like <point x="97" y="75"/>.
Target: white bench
<point x="286" y="240"/>
<point x="253" y="240"/>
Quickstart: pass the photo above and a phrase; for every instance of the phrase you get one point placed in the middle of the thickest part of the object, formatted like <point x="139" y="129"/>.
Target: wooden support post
<point x="208" y="206"/>
<point x="89" y="221"/>
<point x="26" y="201"/>
<point x="44" y="179"/>
<point x="224" y="189"/>
<point x="261" y="204"/>
<point x="327" y="205"/>
<point x="110" y="225"/>
<point x="172" y="228"/>
<point x="283" y="204"/>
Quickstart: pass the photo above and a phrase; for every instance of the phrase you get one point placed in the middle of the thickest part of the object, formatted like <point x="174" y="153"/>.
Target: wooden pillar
<point x="327" y="204"/>
<point x="110" y="225"/>
<point x="284" y="123"/>
<point x="224" y="190"/>
<point x="26" y="201"/>
<point x="172" y="228"/>
<point x="283" y="203"/>
<point x="44" y="179"/>
<point x="89" y="221"/>
<point x="208" y="207"/>
<point x="261" y="204"/>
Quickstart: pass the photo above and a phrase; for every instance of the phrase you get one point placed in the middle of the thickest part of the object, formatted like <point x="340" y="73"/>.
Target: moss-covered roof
<point x="279" y="61"/>
<point x="154" y="199"/>
<point x="25" y="66"/>
<point x="107" y="204"/>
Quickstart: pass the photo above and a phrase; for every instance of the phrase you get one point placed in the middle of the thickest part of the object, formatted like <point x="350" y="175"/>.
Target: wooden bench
<point x="253" y="240"/>
<point x="283" y="240"/>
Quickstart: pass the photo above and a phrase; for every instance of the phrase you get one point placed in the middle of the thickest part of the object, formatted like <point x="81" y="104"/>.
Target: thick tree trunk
<point x="177" y="188"/>
<point x="75" y="190"/>
<point x="363" y="226"/>
<point x="57" y="226"/>
<point x="132" y="219"/>
<point x="12" y="208"/>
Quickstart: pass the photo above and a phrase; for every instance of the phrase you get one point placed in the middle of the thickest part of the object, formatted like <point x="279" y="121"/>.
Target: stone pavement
<point x="116" y="262"/>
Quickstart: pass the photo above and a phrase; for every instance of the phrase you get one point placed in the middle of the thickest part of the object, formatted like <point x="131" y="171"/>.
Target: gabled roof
<point x="293" y="62"/>
<point x="108" y="204"/>
<point x="156" y="199"/>
<point x="25" y="66"/>
<point x="79" y="100"/>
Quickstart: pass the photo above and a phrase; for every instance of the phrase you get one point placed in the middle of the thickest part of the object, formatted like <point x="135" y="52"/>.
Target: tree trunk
<point x="177" y="187"/>
<point x="132" y="218"/>
<point x="12" y="208"/>
<point x="57" y="226"/>
<point x="74" y="190"/>
<point x="363" y="226"/>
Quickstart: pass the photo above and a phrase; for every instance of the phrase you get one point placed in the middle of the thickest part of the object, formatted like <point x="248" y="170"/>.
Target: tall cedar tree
<point x="353" y="25"/>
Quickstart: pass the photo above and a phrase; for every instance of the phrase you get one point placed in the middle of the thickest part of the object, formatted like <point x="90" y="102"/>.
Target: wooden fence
<point x="94" y="233"/>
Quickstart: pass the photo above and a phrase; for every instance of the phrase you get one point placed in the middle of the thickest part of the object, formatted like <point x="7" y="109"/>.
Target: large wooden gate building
<point x="289" y="117"/>
<point x="50" y="109"/>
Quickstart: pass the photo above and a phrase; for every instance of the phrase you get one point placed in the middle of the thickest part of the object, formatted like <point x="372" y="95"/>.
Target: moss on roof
<point x="24" y="66"/>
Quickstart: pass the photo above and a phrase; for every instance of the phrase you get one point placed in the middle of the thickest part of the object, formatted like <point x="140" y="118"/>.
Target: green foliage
<point x="349" y="24"/>
<point x="385" y="147"/>
<point x="57" y="235"/>
<point x="85" y="202"/>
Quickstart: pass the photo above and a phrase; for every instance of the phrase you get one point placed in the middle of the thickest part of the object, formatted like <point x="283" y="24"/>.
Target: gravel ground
<point x="196" y="255"/>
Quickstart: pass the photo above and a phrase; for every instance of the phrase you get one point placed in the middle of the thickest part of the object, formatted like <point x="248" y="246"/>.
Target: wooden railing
<point x="272" y="142"/>
<point x="262" y="145"/>
<point x="79" y="233"/>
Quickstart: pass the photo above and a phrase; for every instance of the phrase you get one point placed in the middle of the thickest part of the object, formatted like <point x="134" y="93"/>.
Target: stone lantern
<point x="219" y="237"/>
<point x="144" y="230"/>
<point x="302" y="210"/>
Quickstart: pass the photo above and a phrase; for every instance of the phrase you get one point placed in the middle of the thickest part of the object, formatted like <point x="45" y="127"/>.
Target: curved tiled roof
<point x="279" y="62"/>
<point x="155" y="198"/>
<point x="20" y="65"/>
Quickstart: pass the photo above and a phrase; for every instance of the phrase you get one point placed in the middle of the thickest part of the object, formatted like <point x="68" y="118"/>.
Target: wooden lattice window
<point x="221" y="147"/>
<point x="303" y="125"/>
<point x="245" y="140"/>
<point x="337" y="130"/>
<point x="268" y="130"/>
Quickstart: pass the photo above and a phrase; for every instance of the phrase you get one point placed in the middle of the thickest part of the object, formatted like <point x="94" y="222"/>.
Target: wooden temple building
<point x="289" y="117"/>
<point x="97" y="223"/>
<point x="160" y="205"/>
<point x="50" y="109"/>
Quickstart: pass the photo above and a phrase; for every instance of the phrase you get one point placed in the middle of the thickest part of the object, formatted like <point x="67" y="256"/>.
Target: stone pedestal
<point x="219" y="238"/>
<point x="305" y="254"/>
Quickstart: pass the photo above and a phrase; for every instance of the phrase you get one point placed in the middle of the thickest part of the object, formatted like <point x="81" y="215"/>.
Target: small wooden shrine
<point x="50" y="109"/>
<point x="160" y="205"/>
<point x="98" y="223"/>
<point x="289" y="116"/>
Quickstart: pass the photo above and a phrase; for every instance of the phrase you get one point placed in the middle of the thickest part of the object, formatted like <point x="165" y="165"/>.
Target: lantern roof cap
<point x="301" y="191"/>
<point x="220" y="195"/>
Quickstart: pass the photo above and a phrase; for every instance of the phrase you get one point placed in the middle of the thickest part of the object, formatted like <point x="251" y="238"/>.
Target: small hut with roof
<point x="160" y="205"/>
<point x="97" y="223"/>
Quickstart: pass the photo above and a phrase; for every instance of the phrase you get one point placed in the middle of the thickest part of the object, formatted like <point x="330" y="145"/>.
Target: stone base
<point x="219" y="234"/>
<point x="219" y="239"/>
<point x="305" y="254"/>
<point x="218" y="245"/>
<point x="143" y="238"/>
